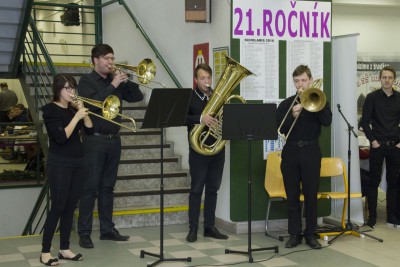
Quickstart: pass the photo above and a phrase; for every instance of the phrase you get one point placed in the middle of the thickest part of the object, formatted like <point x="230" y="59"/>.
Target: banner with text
<point x="262" y="20"/>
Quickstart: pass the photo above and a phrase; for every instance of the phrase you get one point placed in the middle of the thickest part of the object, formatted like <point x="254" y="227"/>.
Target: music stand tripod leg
<point x="249" y="249"/>
<point x="161" y="255"/>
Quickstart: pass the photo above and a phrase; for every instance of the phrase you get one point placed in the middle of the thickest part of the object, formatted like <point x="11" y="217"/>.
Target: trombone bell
<point x="312" y="99"/>
<point x="145" y="71"/>
<point x="109" y="108"/>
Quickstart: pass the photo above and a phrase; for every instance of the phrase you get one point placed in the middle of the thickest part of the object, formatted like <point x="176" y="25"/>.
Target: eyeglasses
<point x="108" y="58"/>
<point x="69" y="88"/>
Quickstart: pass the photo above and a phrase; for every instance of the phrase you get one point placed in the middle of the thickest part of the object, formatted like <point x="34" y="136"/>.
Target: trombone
<point x="109" y="107"/>
<point x="145" y="71"/>
<point x="312" y="99"/>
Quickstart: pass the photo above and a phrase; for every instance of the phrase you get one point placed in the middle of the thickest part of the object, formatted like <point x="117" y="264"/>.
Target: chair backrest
<point x="331" y="167"/>
<point x="273" y="181"/>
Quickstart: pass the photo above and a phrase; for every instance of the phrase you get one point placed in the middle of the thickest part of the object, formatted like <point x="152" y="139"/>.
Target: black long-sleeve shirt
<point x="95" y="87"/>
<point x="63" y="150"/>
<point x="381" y="116"/>
<point x="198" y="102"/>
<point x="308" y="125"/>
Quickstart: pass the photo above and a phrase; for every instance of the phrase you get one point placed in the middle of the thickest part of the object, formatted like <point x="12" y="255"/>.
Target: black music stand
<point x="166" y="108"/>
<point x="249" y="122"/>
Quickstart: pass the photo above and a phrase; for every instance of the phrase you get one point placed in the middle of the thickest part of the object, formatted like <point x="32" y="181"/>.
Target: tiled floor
<point x="346" y="251"/>
<point x="349" y="250"/>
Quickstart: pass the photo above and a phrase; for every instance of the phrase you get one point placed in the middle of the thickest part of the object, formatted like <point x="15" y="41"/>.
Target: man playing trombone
<point x="301" y="158"/>
<point x="103" y="148"/>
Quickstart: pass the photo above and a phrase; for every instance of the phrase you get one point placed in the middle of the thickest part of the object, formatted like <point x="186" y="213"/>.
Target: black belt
<point x="115" y="135"/>
<point x="388" y="143"/>
<point x="302" y="143"/>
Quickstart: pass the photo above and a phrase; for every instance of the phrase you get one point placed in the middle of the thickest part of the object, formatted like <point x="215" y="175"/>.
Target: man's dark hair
<point x="204" y="67"/>
<point x="388" y="68"/>
<point x="3" y="85"/>
<point x="101" y="50"/>
<point x="300" y="70"/>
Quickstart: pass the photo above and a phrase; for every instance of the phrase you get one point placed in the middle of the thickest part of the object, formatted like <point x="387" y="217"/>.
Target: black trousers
<point x="102" y="156"/>
<point x="301" y="173"/>
<point x="65" y="188"/>
<point x="206" y="173"/>
<point x="391" y="155"/>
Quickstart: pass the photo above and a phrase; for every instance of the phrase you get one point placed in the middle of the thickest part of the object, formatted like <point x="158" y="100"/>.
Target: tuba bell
<point x="230" y="78"/>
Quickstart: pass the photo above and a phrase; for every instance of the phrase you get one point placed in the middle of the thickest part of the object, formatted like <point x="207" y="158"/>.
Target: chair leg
<point x="280" y="237"/>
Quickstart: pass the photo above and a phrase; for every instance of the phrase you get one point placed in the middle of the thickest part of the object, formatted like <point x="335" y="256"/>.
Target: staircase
<point x="137" y="191"/>
<point x="14" y="16"/>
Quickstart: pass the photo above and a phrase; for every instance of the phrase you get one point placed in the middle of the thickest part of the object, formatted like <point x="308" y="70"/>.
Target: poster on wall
<point x="368" y="81"/>
<point x="219" y="54"/>
<point x="200" y="55"/>
<point x="261" y="58"/>
<point x="307" y="53"/>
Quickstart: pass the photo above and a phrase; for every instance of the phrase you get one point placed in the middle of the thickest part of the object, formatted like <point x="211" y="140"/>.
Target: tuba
<point x="230" y="78"/>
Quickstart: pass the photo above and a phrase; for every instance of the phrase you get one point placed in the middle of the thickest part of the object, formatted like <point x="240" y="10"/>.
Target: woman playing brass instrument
<point x="64" y="119"/>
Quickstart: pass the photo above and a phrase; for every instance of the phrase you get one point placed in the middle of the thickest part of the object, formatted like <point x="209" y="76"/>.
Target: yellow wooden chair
<point x="275" y="188"/>
<point x="334" y="167"/>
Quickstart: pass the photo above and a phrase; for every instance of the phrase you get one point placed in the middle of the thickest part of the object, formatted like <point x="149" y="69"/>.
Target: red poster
<point x="200" y="55"/>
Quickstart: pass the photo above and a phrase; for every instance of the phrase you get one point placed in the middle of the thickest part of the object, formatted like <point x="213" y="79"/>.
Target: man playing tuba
<point x="205" y="170"/>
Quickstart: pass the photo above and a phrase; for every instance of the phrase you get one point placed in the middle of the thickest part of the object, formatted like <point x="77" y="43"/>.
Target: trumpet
<point x="313" y="100"/>
<point x="145" y="71"/>
<point x="109" y="107"/>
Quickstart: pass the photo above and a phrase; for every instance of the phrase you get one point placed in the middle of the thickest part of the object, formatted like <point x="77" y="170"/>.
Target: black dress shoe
<point x="114" y="235"/>
<point x="192" y="235"/>
<point x="85" y="241"/>
<point x="214" y="233"/>
<point x="371" y="222"/>
<point x="393" y="222"/>
<point x="293" y="241"/>
<point x="312" y="242"/>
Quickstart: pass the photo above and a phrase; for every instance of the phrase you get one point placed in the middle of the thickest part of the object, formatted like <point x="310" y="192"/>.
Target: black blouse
<point x="62" y="148"/>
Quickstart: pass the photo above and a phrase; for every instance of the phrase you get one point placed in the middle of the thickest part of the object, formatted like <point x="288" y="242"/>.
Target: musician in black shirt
<point x="380" y="122"/>
<point x="205" y="170"/>
<point x="103" y="148"/>
<point x="301" y="160"/>
<point x="65" y="170"/>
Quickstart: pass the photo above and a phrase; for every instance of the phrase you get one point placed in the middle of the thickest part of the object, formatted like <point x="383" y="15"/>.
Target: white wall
<point x="378" y="26"/>
<point x="164" y="22"/>
<point x="15" y="207"/>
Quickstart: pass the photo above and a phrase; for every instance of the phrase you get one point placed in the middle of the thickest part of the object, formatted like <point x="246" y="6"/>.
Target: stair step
<point x="176" y="196"/>
<point x="152" y="175"/>
<point x="152" y="181"/>
<point x="146" y="151"/>
<point x="146" y="166"/>
<point x="147" y="216"/>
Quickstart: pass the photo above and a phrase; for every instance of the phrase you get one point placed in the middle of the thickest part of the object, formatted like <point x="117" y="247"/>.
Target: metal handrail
<point x="147" y="38"/>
